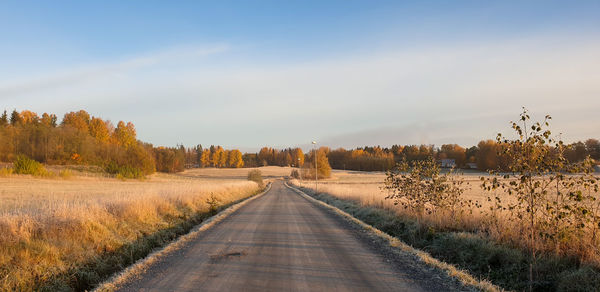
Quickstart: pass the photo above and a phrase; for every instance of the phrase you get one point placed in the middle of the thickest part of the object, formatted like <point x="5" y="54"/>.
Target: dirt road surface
<point x="283" y="242"/>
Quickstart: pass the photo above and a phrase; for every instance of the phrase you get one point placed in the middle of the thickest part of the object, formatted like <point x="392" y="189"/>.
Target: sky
<point x="248" y="74"/>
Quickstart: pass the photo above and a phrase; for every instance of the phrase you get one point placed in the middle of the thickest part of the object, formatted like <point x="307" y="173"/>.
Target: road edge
<point x="141" y="265"/>
<point x="398" y="247"/>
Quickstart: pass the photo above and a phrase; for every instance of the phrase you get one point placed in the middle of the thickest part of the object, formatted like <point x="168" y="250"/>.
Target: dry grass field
<point x="49" y="227"/>
<point x="367" y="189"/>
<point x="242" y="173"/>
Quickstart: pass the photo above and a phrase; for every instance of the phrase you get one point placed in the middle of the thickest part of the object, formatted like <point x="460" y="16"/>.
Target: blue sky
<point x="283" y="73"/>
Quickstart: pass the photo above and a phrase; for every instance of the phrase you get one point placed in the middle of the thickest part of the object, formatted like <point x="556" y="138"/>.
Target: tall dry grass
<point x="49" y="227"/>
<point x="479" y="217"/>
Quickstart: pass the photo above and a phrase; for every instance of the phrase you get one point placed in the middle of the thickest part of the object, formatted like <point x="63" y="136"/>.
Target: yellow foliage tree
<point x="124" y="134"/>
<point x="205" y="158"/>
<point x="298" y="157"/>
<point x="99" y="130"/>
<point x="79" y="120"/>
<point x="235" y="159"/>
<point x="29" y="117"/>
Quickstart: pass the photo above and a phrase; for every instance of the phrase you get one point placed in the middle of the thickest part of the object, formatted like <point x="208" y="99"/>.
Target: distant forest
<point x="80" y="138"/>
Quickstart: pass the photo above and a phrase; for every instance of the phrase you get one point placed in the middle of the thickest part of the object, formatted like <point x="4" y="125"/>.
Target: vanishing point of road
<point x="281" y="241"/>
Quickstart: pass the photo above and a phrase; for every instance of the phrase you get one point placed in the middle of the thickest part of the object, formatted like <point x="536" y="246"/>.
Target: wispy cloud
<point x="459" y="93"/>
<point x="81" y="74"/>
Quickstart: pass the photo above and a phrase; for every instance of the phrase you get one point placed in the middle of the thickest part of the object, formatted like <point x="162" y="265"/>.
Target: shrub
<point x="213" y="204"/>
<point x="65" y="174"/>
<point x="555" y="212"/>
<point x="422" y="189"/>
<point x="256" y="176"/>
<point x="25" y="165"/>
<point x="5" y="171"/>
<point x="124" y="171"/>
<point x="295" y="174"/>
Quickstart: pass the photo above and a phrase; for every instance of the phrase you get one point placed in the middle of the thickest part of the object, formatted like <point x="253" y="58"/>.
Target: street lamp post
<point x="316" y="169"/>
<point x="299" y="169"/>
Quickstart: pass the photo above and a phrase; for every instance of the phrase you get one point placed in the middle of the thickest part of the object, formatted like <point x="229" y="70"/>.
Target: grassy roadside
<point x="86" y="276"/>
<point x="502" y="265"/>
<point x="71" y="235"/>
<point x="122" y="278"/>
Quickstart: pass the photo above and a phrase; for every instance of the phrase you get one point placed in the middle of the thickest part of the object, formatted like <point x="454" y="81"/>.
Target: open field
<point x="51" y="227"/>
<point x="366" y="187"/>
<point x="240" y="173"/>
<point x="367" y="190"/>
<point x="491" y="245"/>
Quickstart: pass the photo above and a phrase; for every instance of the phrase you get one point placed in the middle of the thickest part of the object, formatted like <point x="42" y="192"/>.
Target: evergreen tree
<point x="15" y="118"/>
<point x="199" y="155"/>
<point x="4" y="119"/>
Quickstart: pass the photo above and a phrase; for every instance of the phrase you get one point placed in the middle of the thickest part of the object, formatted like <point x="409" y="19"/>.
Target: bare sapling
<point x="551" y="200"/>
<point x="422" y="189"/>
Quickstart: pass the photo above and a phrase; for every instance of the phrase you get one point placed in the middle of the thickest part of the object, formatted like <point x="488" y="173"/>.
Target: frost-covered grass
<point x="73" y="233"/>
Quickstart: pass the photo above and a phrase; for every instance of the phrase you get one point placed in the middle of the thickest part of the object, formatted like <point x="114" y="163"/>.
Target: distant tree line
<point x="294" y="157"/>
<point x="269" y="156"/>
<point x="486" y="155"/>
<point x="80" y="138"/>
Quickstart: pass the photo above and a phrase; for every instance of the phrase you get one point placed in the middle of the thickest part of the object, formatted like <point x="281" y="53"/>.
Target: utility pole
<point x="299" y="169"/>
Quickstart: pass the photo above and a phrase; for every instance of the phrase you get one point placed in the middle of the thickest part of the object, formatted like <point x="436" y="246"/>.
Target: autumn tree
<point x="29" y="117"/>
<point x="99" y="129"/>
<point x="124" y="135"/>
<point x="79" y="120"/>
<point x="453" y="151"/>
<point x="576" y="152"/>
<point x="487" y="155"/>
<point x="298" y="157"/>
<point x="593" y="149"/>
<point x="323" y="167"/>
<point x="205" y="158"/>
<point x="216" y="157"/>
<point x="224" y="155"/>
<point x="250" y="160"/>
<point x="235" y="159"/>
<point x="49" y="120"/>
<point x="265" y="156"/>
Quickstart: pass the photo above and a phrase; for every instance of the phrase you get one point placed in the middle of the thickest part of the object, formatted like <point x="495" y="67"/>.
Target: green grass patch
<point x="124" y="171"/>
<point x="26" y="165"/>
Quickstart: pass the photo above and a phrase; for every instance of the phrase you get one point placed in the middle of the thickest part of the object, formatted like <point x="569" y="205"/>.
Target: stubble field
<point x="51" y="229"/>
<point x="478" y="216"/>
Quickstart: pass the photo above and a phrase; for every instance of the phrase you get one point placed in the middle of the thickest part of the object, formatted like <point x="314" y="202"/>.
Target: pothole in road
<point x="228" y="255"/>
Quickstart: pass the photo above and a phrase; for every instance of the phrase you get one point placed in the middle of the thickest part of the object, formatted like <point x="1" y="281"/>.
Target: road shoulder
<point x="141" y="266"/>
<point x="430" y="272"/>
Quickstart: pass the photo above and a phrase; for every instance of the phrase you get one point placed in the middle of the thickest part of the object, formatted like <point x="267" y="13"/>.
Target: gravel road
<point x="283" y="242"/>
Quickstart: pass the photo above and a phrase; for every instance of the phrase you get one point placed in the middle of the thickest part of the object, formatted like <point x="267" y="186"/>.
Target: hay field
<point x="367" y="189"/>
<point x="241" y="173"/>
<point x="49" y="227"/>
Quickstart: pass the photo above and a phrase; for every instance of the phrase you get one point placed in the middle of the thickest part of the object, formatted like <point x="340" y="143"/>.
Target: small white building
<point x="447" y="163"/>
